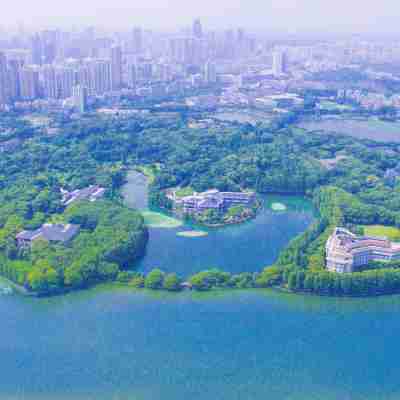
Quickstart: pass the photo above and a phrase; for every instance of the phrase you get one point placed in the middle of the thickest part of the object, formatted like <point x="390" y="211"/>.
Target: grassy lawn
<point x="183" y="192"/>
<point x="379" y="230"/>
<point x="149" y="171"/>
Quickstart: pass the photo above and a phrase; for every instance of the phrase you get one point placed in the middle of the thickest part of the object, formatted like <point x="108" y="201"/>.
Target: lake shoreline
<point x="223" y="232"/>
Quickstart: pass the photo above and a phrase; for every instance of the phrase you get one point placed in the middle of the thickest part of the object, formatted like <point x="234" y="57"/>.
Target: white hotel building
<point x="346" y="252"/>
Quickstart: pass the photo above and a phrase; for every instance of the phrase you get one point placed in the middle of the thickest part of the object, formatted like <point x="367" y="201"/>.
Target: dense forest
<point x="345" y="177"/>
<point x="111" y="239"/>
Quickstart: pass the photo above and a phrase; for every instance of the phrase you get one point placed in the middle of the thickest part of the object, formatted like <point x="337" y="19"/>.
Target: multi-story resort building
<point x="346" y="252"/>
<point x="214" y="200"/>
<point x="53" y="233"/>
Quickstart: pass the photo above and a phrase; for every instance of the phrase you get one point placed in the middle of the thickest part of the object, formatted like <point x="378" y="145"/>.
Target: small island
<point x="214" y="208"/>
<point x="192" y="234"/>
<point x="278" y="207"/>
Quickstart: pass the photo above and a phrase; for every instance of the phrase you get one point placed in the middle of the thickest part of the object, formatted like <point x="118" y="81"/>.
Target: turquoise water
<point x="119" y="344"/>
<point x="240" y="248"/>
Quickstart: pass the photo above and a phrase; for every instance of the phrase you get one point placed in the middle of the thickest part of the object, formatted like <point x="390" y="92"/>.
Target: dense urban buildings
<point x="43" y="70"/>
<point x="346" y="252"/>
<point x="51" y="63"/>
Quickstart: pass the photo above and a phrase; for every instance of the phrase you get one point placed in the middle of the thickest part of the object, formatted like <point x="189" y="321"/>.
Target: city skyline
<point x="283" y="16"/>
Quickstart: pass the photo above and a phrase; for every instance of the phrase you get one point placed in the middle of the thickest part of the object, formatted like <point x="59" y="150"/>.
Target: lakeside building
<point x="345" y="252"/>
<point x="214" y="200"/>
<point x="56" y="233"/>
<point x="91" y="193"/>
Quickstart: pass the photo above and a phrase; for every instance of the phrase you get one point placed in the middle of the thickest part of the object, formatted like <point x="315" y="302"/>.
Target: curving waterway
<point x="238" y="248"/>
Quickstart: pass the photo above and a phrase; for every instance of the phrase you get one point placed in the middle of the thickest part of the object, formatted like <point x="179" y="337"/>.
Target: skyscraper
<point x="49" y="46"/>
<point x="278" y="62"/>
<point x="197" y="29"/>
<point x="164" y="72"/>
<point x="50" y="90"/>
<point x="3" y="79"/>
<point x="132" y="76"/>
<point x="99" y="76"/>
<point x="65" y="81"/>
<point x="80" y="95"/>
<point x="36" y="49"/>
<point x="144" y="71"/>
<point x="29" y="83"/>
<point x="137" y="40"/>
<point x="116" y="68"/>
<point x="229" y="44"/>
<point x="177" y="49"/>
<point x="83" y="76"/>
<point x="14" y="67"/>
<point x="210" y="72"/>
<point x="189" y="51"/>
<point x="240" y="35"/>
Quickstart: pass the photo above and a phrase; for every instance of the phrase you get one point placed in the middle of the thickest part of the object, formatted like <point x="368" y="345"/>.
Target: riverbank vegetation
<point x="382" y="281"/>
<point x="267" y="158"/>
<point x="111" y="239"/>
<point x="202" y="281"/>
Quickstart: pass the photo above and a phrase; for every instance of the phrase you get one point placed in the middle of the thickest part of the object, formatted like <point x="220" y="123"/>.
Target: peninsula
<point x="215" y="208"/>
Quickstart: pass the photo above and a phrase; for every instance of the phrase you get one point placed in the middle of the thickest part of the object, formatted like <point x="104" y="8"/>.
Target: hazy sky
<point x="284" y="15"/>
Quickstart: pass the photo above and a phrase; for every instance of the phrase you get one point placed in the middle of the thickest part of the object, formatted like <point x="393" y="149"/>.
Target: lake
<point x="110" y="343"/>
<point x="114" y="343"/>
<point x="374" y="129"/>
<point x="247" y="247"/>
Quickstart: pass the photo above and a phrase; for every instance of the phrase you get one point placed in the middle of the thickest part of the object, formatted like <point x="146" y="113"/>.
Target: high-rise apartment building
<point x="188" y="50"/>
<point x="83" y="76"/>
<point x="228" y="48"/>
<point x="29" y="83"/>
<point x="3" y="79"/>
<point x="49" y="82"/>
<point x="65" y="81"/>
<point x="144" y="71"/>
<point x="197" y="29"/>
<point x="13" y="72"/>
<point x="49" y="45"/>
<point x="164" y="72"/>
<point x="278" y="62"/>
<point x="177" y="49"/>
<point x="36" y="49"/>
<point x="132" y="76"/>
<point x="210" y="72"/>
<point x="99" y="76"/>
<point x="137" y="40"/>
<point x="116" y="67"/>
<point x="80" y="95"/>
